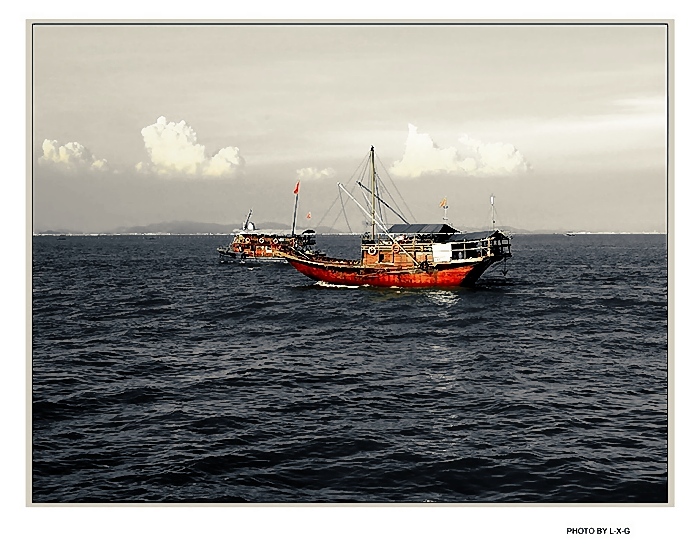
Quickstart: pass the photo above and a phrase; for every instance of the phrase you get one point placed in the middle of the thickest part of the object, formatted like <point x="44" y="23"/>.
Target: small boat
<point x="252" y="247"/>
<point x="406" y="255"/>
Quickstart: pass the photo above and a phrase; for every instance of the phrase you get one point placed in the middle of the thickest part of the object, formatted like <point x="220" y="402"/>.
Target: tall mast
<point x="374" y="187"/>
<point x="493" y="214"/>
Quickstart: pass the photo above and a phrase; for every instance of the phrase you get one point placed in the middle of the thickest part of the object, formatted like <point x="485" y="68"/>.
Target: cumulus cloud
<point x="314" y="173"/>
<point x="475" y="158"/>
<point x="72" y="156"/>
<point x="492" y="159"/>
<point x="173" y="151"/>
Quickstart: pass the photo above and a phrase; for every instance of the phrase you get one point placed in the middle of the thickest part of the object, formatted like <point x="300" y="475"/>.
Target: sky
<point x="565" y="124"/>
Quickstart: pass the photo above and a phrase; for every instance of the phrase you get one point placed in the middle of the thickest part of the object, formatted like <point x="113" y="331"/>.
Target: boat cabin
<point x="430" y="244"/>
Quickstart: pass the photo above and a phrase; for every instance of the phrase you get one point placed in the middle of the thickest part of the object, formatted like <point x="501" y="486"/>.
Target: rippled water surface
<point x="160" y="375"/>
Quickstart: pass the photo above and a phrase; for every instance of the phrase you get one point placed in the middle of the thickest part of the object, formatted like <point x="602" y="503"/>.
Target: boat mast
<point x="374" y="188"/>
<point x="493" y="215"/>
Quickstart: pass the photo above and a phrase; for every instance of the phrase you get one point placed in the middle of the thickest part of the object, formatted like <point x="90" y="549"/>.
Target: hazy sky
<point x="565" y="124"/>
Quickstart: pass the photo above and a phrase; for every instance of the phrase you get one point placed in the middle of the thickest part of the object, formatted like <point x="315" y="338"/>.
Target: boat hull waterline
<point x="334" y="272"/>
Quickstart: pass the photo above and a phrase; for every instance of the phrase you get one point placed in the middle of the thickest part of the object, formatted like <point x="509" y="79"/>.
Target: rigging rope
<point x="327" y="211"/>
<point x="344" y="212"/>
<point x="381" y="187"/>
<point x="397" y="190"/>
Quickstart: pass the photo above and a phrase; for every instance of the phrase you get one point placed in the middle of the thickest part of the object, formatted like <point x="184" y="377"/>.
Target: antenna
<point x="443" y="205"/>
<point x="493" y="213"/>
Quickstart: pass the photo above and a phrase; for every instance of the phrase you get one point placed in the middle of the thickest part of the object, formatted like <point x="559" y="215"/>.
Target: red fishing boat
<point x="406" y="255"/>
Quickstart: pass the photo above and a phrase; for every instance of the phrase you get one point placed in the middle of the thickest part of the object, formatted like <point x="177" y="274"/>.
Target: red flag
<point x="296" y="189"/>
<point x="308" y="216"/>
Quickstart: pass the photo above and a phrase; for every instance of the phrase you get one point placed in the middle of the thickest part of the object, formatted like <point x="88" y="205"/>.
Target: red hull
<point x="344" y="273"/>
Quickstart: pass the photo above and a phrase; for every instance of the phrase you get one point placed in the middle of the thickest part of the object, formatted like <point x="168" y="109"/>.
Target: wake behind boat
<point x="406" y="255"/>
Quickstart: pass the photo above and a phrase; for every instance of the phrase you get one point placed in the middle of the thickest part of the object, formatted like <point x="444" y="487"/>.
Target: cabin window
<point x="381" y="257"/>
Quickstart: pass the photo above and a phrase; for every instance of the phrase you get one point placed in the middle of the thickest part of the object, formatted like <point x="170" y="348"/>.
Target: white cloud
<point x="173" y="150"/>
<point x="492" y="159"/>
<point x="474" y="158"/>
<point x="71" y="156"/>
<point x="314" y="173"/>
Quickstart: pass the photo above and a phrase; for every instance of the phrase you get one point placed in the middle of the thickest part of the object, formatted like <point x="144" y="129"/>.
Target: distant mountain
<point x="189" y="228"/>
<point x="59" y="232"/>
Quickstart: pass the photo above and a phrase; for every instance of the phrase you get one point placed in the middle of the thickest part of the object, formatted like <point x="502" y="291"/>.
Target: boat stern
<point x="499" y="246"/>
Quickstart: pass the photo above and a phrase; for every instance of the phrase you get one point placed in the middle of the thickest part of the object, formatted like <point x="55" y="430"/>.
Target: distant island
<point x="190" y="228"/>
<point x="185" y="228"/>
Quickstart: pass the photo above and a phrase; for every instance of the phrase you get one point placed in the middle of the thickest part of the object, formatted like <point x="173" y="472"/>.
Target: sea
<point x="159" y="375"/>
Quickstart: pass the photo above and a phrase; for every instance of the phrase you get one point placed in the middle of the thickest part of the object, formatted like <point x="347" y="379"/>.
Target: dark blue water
<point x="160" y="375"/>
